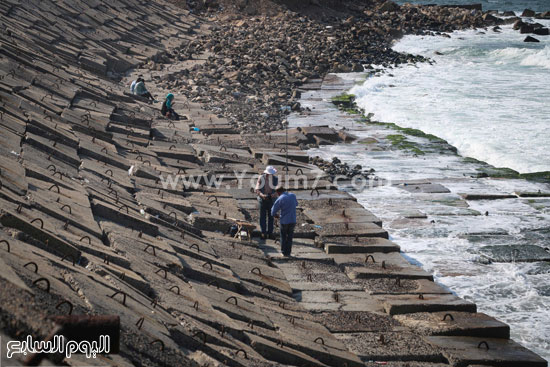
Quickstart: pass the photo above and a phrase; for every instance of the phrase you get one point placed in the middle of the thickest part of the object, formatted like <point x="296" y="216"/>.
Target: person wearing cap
<point x="286" y="203"/>
<point x="265" y="189"/>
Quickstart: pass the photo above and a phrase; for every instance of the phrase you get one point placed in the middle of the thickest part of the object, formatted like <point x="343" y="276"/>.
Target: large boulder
<point x="489" y="18"/>
<point x="396" y="32"/>
<point x="357" y="68"/>
<point x="542" y="31"/>
<point x="388" y="6"/>
<point x="528" y="13"/>
<point x="526" y="28"/>
<point x="510" y="20"/>
<point x="518" y="24"/>
<point x="530" y="39"/>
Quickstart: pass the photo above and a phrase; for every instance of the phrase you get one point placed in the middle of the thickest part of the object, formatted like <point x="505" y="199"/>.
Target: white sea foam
<point x="524" y="56"/>
<point x="541" y="58"/>
<point x="487" y="94"/>
<point x="515" y="293"/>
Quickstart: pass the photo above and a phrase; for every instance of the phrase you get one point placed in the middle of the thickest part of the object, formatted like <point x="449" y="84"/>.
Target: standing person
<point x="287" y="204"/>
<point x="167" y="109"/>
<point x="265" y="189"/>
<point x="140" y="89"/>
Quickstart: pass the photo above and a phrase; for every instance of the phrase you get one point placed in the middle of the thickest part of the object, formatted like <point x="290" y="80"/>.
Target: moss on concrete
<point x="420" y="134"/>
<point x="400" y="142"/>
<point x="472" y="160"/>
<point x="344" y="99"/>
<point x="487" y="170"/>
<point x="497" y="172"/>
<point x="352" y="111"/>
<point x="543" y="176"/>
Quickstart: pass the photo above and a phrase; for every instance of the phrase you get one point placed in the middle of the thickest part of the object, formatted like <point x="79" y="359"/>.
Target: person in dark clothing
<point x="265" y="189"/>
<point x="286" y="203"/>
<point x="167" y="110"/>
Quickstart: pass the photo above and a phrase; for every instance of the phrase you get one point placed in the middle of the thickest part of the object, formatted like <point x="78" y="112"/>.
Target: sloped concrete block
<point x="455" y="324"/>
<point x="467" y="351"/>
<point x="402" y="304"/>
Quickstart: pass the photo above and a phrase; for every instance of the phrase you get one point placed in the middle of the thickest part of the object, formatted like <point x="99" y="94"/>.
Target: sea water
<point x="502" y="5"/>
<point x="449" y="242"/>
<point x="486" y="92"/>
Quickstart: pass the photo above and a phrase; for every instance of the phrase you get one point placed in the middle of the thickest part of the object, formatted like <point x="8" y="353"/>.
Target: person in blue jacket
<point x="286" y="203"/>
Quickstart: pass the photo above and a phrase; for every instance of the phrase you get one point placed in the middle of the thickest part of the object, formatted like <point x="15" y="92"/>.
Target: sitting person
<point x="133" y="87"/>
<point x="167" y="110"/>
<point x="140" y="89"/>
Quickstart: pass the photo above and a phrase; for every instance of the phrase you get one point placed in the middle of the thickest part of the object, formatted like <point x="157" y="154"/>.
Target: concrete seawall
<point x="376" y="144"/>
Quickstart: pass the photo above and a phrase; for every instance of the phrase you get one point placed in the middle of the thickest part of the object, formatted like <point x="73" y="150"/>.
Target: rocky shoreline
<point x="256" y="65"/>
